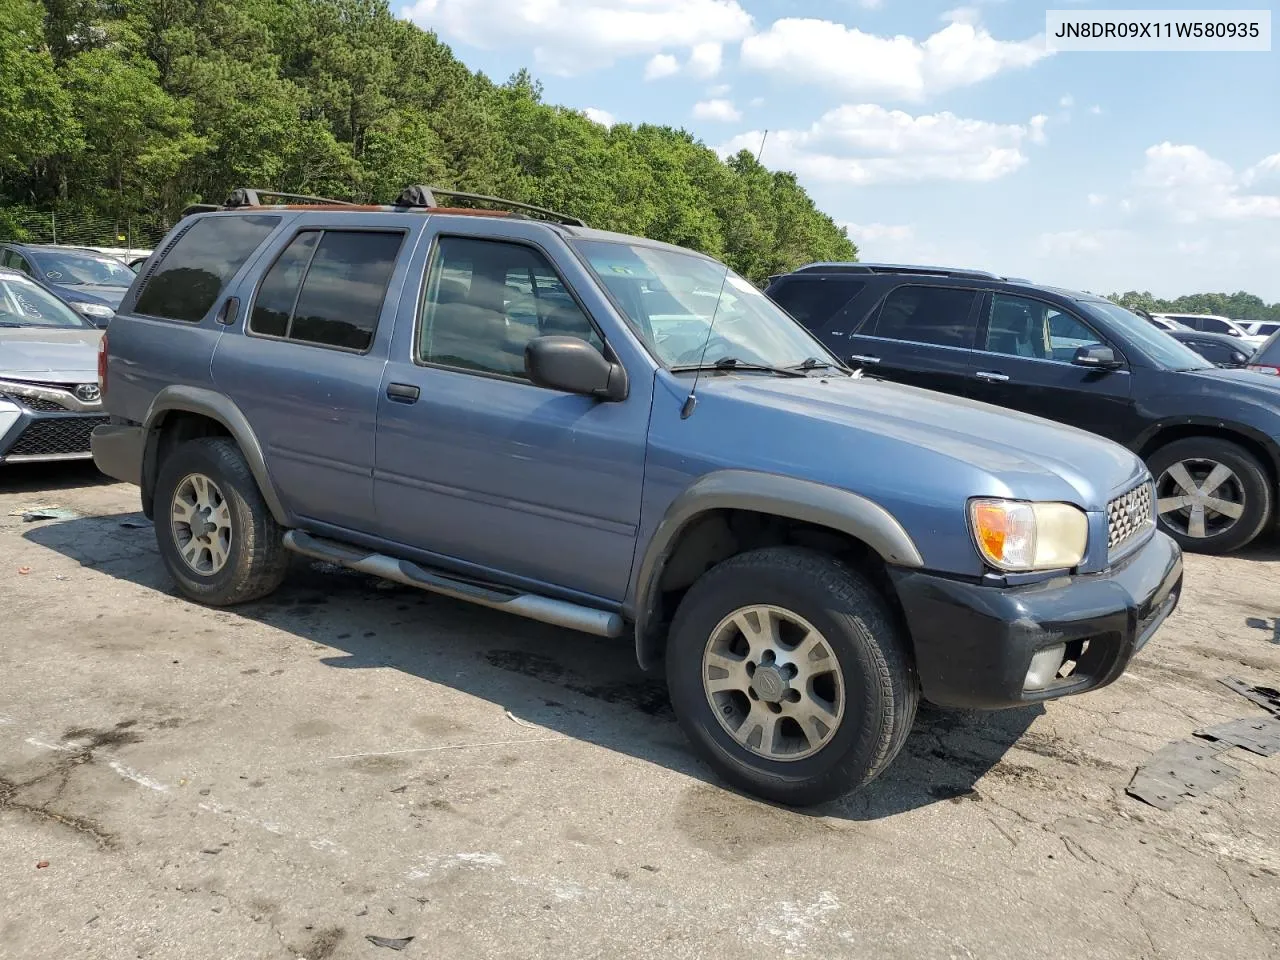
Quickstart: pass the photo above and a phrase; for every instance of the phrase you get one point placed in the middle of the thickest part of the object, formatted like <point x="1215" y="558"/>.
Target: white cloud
<point x="573" y="36"/>
<point x="756" y="102"/>
<point x="719" y="110"/>
<point x="705" y="60"/>
<point x="1067" y="102"/>
<point x="602" y="117"/>
<point x="963" y="15"/>
<point x="851" y="61"/>
<point x="868" y="144"/>
<point x="870" y="233"/>
<point x="719" y="90"/>
<point x="1187" y="184"/>
<point x="1074" y="243"/>
<point x="1096" y="110"/>
<point x="871" y="4"/>
<point x="662" y="65"/>
<point x="1097" y="199"/>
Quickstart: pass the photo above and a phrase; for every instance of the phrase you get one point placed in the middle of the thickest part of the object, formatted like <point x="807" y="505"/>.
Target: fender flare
<point x="796" y="499"/>
<point x="1211" y="425"/>
<point x="215" y="406"/>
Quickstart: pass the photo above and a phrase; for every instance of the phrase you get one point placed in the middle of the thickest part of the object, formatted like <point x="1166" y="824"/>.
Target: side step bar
<point x="560" y="613"/>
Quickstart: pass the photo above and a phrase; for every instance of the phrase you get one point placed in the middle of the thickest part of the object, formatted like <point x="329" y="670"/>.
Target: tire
<point x="1248" y="489"/>
<point x="876" y="676"/>
<point x="254" y="557"/>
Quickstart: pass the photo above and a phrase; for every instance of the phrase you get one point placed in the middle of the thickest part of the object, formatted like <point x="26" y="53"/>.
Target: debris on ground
<point x="49" y="513"/>
<point x="23" y="571"/>
<point x="134" y="524"/>
<point x="392" y="943"/>
<point x="1187" y="768"/>
<point x="514" y="719"/>
<point x="1268" y="698"/>
<point x="42" y="864"/>
<point x="1260" y="736"/>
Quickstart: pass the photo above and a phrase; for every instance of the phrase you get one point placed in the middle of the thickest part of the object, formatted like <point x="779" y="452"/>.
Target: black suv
<point x="1210" y="436"/>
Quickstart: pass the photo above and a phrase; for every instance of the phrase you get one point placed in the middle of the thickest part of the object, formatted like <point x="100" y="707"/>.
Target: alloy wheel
<point x="200" y="519"/>
<point x="773" y="682"/>
<point x="1199" y="498"/>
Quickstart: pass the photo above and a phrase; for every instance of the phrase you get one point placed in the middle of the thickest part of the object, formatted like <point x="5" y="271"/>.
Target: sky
<point x="938" y="133"/>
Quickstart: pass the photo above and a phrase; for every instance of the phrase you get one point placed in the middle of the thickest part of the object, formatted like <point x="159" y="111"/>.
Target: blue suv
<point x="625" y="438"/>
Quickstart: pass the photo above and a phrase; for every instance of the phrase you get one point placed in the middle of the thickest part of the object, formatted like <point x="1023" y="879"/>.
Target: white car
<point x="1210" y="323"/>
<point x="1263" y="328"/>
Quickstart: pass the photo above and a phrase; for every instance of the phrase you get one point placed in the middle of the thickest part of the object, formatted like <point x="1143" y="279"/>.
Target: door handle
<point x="991" y="376"/>
<point x="861" y="358"/>
<point x="403" y="392"/>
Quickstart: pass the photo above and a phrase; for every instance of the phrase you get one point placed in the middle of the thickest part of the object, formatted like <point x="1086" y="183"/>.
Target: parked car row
<point x="1210" y="436"/>
<point x="91" y="283"/>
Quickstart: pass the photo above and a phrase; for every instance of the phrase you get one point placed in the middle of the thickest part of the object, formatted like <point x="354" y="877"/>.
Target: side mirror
<point x="575" y="366"/>
<point x="1096" y="357"/>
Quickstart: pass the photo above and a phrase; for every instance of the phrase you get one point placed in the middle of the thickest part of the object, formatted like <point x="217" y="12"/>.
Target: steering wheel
<point x="697" y="353"/>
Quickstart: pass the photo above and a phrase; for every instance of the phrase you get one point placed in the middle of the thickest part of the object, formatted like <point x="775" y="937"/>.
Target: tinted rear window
<point x="186" y="283"/>
<point x="938" y="315"/>
<point x="817" y="302"/>
<point x="1269" y="352"/>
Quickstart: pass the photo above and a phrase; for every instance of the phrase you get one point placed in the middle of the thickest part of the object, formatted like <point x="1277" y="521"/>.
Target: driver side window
<point x="1022" y="327"/>
<point x="486" y="299"/>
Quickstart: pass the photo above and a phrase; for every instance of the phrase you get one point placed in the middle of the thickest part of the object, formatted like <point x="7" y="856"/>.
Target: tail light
<point x="102" y="366"/>
<point x="1265" y="368"/>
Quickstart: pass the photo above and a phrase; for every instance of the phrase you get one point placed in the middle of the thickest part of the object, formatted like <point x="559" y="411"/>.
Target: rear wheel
<point x="788" y="672"/>
<point x="1212" y="495"/>
<point x="216" y="534"/>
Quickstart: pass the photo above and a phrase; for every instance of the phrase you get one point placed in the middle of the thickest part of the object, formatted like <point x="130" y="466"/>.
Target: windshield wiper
<point x="733" y="363"/>
<point x="817" y="363"/>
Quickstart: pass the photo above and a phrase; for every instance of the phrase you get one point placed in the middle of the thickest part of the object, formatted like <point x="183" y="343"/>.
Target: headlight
<point x="94" y="310"/>
<point x="1017" y="536"/>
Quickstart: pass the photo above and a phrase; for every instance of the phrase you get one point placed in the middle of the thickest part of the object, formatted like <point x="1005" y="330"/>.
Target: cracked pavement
<point x="341" y="760"/>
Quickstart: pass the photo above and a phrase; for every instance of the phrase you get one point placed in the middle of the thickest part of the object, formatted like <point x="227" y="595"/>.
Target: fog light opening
<point x="1045" y="666"/>
<point x="1075" y="653"/>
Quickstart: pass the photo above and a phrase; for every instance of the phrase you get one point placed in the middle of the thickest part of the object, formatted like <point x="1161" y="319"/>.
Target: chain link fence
<point x="126" y="235"/>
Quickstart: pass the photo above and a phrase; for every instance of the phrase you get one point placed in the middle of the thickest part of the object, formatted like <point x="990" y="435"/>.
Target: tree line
<point x="1235" y="306"/>
<point x="126" y="111"/>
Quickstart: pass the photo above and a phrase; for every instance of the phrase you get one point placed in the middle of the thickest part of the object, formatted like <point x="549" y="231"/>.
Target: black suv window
<point x="1022" y="327"/>
<point x="185" y="284"/>
<point x="940" y="315"/>
<point x="486" y="300"/>
<point x="327" y="288"/>
<point x="817" y="301"/>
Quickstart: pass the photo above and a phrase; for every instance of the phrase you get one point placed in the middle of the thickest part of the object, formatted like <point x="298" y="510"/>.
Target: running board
<point x="560" y="613"/>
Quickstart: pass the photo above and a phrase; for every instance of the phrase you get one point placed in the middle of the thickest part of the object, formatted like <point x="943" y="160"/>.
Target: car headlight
<point x="1017" y="536"/>
<point x="94" y="310"/>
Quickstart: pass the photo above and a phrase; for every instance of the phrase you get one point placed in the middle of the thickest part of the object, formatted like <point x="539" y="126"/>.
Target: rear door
<point x="1028" y="345"/>
<point x="921" y="334"/>
<point x="825" y="305"/>
<point x="307" y="369"/>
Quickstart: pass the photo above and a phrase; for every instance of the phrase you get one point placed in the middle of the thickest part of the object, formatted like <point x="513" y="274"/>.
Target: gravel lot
<point x="285" y="779"/>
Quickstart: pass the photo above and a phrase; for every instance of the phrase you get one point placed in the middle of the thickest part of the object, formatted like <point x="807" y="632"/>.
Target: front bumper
<point x="974" y="643"/>
<point x="29" y="435"/>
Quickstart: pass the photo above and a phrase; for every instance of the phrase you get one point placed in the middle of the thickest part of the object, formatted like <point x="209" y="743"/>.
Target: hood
<point x="913" y="438"/>
<point x="49" y="356"/>
<point x="91" y="293"/>
<point x="1229" y="383"/>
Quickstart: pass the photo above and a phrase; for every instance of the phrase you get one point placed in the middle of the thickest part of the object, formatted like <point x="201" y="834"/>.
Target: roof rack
<point x="424" y="196"/>
<point x="252" y="197"/>
<point x="859" y="267"/>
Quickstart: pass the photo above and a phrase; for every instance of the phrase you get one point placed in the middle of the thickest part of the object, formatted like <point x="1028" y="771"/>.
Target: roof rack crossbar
<point x="252" y="197"/>
<point x="424" y="196"/>
<point x="861" y="267"/>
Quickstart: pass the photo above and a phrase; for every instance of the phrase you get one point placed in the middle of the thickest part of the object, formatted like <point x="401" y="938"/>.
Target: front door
<point x="478" y="466"/>
<point x="1028" y="347"/>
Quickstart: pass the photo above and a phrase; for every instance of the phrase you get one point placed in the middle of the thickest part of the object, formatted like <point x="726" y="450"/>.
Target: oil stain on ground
<point x="647" y="695"/>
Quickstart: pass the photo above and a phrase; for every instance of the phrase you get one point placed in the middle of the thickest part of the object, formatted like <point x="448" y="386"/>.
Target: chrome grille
<point x="35" y="403"/>
<point x="1130" y="515"/>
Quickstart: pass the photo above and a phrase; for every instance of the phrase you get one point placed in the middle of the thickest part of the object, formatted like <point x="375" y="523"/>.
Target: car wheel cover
<point x="200" y="521"/>
<point x="1200" y="498"/>
<point x="773" y="682"/>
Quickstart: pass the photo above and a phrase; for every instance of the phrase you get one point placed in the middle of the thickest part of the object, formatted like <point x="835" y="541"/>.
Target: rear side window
<point x="938" y="315"/>
<point x="327" y="288"/>
<point x="1214" y="352"/>
<point x="818" y="302"/>
<point x="186" y="283"/>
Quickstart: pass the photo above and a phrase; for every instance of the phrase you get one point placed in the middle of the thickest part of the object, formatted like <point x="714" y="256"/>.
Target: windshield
<point x="671" y="299"/>
<point x="23" y="304"/>
<point x="74" y="267"/>
<point x="1158" y="346"/>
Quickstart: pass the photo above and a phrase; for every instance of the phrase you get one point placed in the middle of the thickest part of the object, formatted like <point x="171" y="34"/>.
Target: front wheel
<point x="1212" y="496"/>
<point x="788" y="672"/>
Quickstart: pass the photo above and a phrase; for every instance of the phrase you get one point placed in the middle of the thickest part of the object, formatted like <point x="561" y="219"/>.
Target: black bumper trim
<point x="973" y="644"/>
<point x="117" y="451"/>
